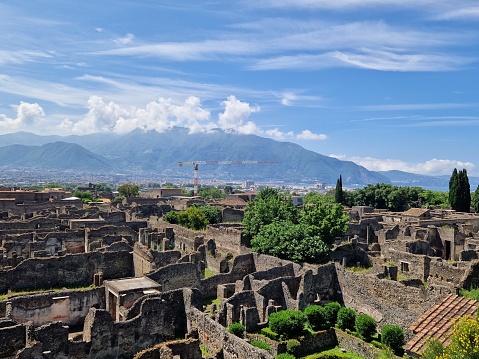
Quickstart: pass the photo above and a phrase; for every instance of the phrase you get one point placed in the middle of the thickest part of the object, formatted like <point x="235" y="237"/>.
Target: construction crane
<point x="196" y="163"/>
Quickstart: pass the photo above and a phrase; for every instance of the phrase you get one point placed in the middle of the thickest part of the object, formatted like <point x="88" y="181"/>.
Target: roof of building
<point x="416" y="212"/>
<point x="132" y="284"/>
<point x="437" y="322"/>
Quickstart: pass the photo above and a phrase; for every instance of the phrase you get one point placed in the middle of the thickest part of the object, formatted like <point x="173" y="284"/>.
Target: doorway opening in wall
<point x="447" y="244"/>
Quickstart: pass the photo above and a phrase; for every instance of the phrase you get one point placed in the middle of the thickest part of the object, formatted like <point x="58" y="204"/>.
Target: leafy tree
<point x="171" y="217"/>
<point x="475" y="200"/>
<point x="53" y="185"/>
<point x="128" y="189"/>
<point x="268" y="206"/>
<point x="317" y="198"/>
<point x="459" y="191"/>
<point x="346" y="318"/>
<point x="365" y="326"/>
<point x="194" y="217"/>
<point x="291" y="241"/>
<point x="338" y="194"/>
<point x="287" y="323"/>
<point x="85" y="196"/>
<point x="393" y="337"/>
<point x="327" y="222"/>
<point x="434" y="349"/>
<point x="212" y="213"/>
<point x="211" y="193"/>
<point x="228" y="190"/>
<point x="316" y="316"/>
<point x="433" y="198"/>
<point x="102" y="187"/>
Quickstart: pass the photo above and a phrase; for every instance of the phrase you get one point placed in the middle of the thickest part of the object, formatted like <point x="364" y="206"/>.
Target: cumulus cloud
<point x="27" y="114"/>
<point x="164" y="114"/>
<point x="433" y="167"/>
<point x="127" y="39"/>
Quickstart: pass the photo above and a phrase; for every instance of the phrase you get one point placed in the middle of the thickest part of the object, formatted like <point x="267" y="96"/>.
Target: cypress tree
<point x="475" y="200"/>
<point x="338" y="194"/>
<point x="460" y="191"/>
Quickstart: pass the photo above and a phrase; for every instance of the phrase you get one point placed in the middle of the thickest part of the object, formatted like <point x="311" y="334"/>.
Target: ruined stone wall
<point x="70" y="307"/>
<point x="320" y="283"/>
<point x="73" y="241"/>
<point x="217" y="339"/>
<point x="228" y="238"/>
<point x="444" y="272"/>
<point x="147" y="260"/>
<point x="12" y="338"/>
<point x="182" y="349"/>
<point x="264" y="262"/>
<point x="242" y="266"/>
<point x="387" y="301"/>
<point x="232" y="215"/>
<point x="35" y="223"/>
<point x="72" y="270"/>
<point x="176" y="276"/>
<point x="356" y="345"/>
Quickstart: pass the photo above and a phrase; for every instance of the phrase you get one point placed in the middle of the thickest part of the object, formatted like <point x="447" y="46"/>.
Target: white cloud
<point x="163" y="114"/>
<point x="308" y="135"/>
<point x="27" y="114"/>
<point x="128" y="39"/>
<point x="21" y="56"/>
<point x="433" y="167"/>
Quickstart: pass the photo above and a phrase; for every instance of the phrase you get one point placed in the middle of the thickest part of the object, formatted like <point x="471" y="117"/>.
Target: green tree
<point x="433" y="198"/>
<point x="228" y="190"/>
<point x="128" y="189"/>
<point x="393" y="337"/>
<point x="338" y="193"/>
<point x="475" y="200"/>
<point x="287" y="323"/>
<point x="211" y="193"/>
<point x="268" y="206"/>
<point x="102" y="187"/>
<point x="85" y="196"/>
<point x="365" y="326"/>
<point x="237" y="329"/>
<point x="317" y="198"/>
<point x="346" y="318"/>
<point x="459" y="191"/>
<point x="316" y="316"/>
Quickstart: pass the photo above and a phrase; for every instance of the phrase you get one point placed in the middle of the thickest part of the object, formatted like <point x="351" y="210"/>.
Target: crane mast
<point x="196" y="163"/>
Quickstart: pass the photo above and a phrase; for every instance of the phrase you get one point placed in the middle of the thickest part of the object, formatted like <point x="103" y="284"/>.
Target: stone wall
<point x="232" y="215"/>
<point x="70" y="307"/>
<point x="147" y="260"/>
<point x="228" y="237"/>
<point x="12" y="338"/>
<point x="356" y="345"/>
<point x="72" y="270"/>
<point x="176" y="276"/>
<point x="182" y="349"/>
<point x="387" y="301"/>
<point x="217" y="339"/>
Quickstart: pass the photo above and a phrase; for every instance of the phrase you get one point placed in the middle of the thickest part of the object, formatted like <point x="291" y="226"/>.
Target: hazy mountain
<point x="400" y="178"/>
<point x="55" y="155"/>
<point x="160" y="153"/>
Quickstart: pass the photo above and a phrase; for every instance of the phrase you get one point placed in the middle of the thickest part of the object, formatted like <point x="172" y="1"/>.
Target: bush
<point x="346" y="318"/>
<point x="393" y="337"/>
<point x="285" y="356"/>
<point x="316" y="316"/>
<point x="260" y="344"/>
<point x="434" y="349"/>
<point x="237" y="329"/>
<point x="292" y="346"/>
<point x="331" y="312"/>
<point x="287" y="323"/>
<point x="365" y="326"/>
<point x="269" y="334"/>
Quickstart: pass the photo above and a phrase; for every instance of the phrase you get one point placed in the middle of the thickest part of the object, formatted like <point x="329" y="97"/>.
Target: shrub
<point x="365" y="326"/>
<point x="269" y="333"/>
<point x="331" y="312"/>
<point x="292" y="346"/>
<point x="237" y="329"/>
<point x="285" y="356"/>
<point x="260" y="344"/>
<point x="316" y="317"/>
<point x="287" y="323"/>
<point x="434" y="349"/>
<point x="393" y="337"/>
<point x="346" y="318"/>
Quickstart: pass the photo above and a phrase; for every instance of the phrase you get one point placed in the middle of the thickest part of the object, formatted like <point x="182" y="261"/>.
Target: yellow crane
<point x="196" y="163"/>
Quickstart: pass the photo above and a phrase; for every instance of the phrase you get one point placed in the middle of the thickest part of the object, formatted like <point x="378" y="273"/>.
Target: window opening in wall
<point x="404" y="267"/>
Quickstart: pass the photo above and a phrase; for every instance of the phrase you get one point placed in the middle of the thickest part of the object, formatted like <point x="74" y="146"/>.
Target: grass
<point x="335" y="353"/>
<point x="208" y="273"/>
<point x="401" y="277"/>
<point x="204" y="351"/>
<point x="359" y="269"/>
<point x="472" y="293"/>
<point x="11" y="294"/>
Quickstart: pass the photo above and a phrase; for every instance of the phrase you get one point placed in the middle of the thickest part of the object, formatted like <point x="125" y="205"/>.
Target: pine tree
<point x="475" y="200"/>
<point x="339" y="195"/>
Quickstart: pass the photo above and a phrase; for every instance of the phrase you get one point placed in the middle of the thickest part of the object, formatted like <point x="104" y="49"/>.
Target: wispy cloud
<point x="21" y="56"/>
<point x="128" y="39"/>
<point x="418" y="106"/>
<point x="433" y="167"/>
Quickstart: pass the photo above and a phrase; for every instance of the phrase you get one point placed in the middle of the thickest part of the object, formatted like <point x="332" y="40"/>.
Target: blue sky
<point x="388" y="84"/>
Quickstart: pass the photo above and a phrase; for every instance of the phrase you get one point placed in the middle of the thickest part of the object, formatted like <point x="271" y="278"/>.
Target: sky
<point x="388" y="84"/>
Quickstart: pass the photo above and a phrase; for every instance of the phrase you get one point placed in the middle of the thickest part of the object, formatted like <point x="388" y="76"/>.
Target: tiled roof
<point x="438" y="320"/>
<point x="415" y="212"/>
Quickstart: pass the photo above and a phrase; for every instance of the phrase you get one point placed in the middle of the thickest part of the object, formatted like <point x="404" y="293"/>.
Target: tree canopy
<point x="195" y="217"/>
<point x="278" y="228"/>
<point x="128" y="189"/>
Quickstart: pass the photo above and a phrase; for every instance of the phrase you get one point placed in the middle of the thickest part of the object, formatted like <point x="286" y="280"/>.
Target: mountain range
<point x="159" y="154"/>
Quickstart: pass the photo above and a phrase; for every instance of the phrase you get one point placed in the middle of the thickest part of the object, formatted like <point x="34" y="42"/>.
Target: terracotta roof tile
<point x="437" y="321"/>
